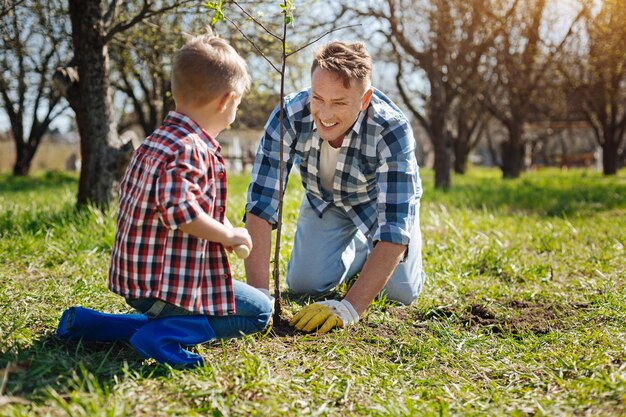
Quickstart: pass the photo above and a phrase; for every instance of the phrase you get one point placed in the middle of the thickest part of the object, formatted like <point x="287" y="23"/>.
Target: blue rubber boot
<point x="87" y="324"/>
<point x="162" y="338"/>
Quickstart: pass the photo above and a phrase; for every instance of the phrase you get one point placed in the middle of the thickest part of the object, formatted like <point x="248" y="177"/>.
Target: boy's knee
<point x="264" y="316"/>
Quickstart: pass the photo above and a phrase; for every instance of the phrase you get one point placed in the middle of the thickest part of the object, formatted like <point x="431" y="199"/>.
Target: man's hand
<point x="324" y="316"/>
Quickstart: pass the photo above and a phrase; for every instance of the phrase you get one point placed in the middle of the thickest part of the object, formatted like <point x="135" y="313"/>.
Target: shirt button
<point x="221" y="209"/>
<point x="225" y="276"/>
<point x="220" y="175"/>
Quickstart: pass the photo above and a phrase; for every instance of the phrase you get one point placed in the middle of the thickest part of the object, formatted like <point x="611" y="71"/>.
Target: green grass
<point x="523" y="314"/>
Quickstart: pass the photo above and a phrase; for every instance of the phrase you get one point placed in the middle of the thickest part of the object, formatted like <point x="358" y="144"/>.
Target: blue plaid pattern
<point x="376" y="180"/>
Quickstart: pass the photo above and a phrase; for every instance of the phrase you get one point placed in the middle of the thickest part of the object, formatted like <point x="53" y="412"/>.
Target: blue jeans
<point x="253" y="312"/>
<point x="329" y="250"/>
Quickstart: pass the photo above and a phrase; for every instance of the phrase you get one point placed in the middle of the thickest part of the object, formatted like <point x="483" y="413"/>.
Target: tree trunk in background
<point x="460" y="156"/>
<point x="438" y="109"/>
<point x="610" y="157"/>
<point x="24" y="158"/>
<point x="103" y="158"/>
<point x="22" y="164"/>
<point x="513" y="153"/>
<point x="30" y="47"/>
<point x="25" y="150"/>
<point x="442" y="161"/>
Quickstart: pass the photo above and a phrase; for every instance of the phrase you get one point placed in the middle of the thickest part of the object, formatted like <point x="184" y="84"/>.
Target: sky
<point x="381" y="74"/>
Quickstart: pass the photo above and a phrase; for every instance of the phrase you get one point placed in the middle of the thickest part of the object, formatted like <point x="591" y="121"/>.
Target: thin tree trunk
<point x="439" y="135"/>
<point x="610" y="157"/>
<point x="23" y="160"/>
<point x="513" y="153"/>
<point x="460" y="155"/>
<point x="442" y="161"/>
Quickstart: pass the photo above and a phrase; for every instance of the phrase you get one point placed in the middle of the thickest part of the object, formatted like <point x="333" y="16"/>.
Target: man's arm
<point x="323" y="316"/>
<point x="399" y="190"/>
<point x="258" y="263"/>
<point x="377" y="270"/>
<point x="263" y="191"/>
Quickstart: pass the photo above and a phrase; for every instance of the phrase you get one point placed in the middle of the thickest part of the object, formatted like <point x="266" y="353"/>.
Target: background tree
<point x="469" y="122"/>
<point x="517" y="70"/>
<point x="140" y="70"/>
<point x="596" y="74"/>
<point x="94" y="25"/>
<point x="34" y="41"/>
<point x="438" y="46"/>
<point x="7" y="6"/>
<point x="141" y="59"/>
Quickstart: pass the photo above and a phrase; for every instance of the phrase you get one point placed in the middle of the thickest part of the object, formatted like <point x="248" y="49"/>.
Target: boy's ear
<point x="225" y="99"/>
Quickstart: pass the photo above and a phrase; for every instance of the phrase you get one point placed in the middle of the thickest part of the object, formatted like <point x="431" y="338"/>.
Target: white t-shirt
<point x="328" y="164"/>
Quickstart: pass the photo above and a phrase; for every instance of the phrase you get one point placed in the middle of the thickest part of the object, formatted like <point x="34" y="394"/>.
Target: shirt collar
<point x="356" y="127"/>
<point x="175" y="118"/>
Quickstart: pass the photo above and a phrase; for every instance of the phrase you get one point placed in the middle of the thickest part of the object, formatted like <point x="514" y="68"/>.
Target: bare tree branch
<point x="320" y="37"/>
<point x="111" y="13"/>
<point x="257" y="22"/>
<point x="254" y="45"/>
<point x="145" y="13"/>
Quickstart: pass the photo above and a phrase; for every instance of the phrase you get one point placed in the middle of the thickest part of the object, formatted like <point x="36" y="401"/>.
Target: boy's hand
<point x="238" y="237"/>
<point x="242" y="251"/>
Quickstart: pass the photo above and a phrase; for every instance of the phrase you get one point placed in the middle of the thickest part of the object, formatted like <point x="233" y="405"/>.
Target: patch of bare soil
<point x="511" y="317"/>
<point x="280" y="325"/>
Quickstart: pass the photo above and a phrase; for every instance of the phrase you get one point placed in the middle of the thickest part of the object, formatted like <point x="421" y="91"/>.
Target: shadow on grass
<point x="546" y="194"/>
<point x="63" y="366"/>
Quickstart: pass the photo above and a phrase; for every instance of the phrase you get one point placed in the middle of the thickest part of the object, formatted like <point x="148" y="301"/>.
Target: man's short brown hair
<point x="350" y="61"/>
<point x="205" y="68"/>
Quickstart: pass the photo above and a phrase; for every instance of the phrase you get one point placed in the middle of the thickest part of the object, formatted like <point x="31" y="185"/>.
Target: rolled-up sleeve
<point x="399" y="185"/>
<point x="263" y="192"/>
<point x="179" y="188"/>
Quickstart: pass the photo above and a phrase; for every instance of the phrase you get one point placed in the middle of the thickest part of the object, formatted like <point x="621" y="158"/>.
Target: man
<point x="356" y="154"/>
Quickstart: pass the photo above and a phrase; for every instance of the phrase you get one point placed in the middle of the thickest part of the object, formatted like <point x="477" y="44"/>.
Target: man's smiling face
<point x="335" y="108"/>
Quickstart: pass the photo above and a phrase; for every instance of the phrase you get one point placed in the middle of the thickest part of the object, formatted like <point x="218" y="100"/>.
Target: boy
<point x="169" y="256"/>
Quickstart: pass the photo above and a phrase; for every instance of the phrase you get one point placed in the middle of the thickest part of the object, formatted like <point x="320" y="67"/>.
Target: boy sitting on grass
<point x="169" y="257"/>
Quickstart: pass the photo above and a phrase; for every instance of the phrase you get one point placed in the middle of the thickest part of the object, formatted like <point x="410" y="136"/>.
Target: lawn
<point x="523" y="314"/>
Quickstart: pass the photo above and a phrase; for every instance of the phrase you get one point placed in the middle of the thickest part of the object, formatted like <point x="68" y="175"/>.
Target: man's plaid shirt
<point x="376" y="180"/>
<point x="176" y="174"/>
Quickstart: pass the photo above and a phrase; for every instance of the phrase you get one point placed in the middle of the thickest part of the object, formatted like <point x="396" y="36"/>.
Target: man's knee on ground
<point x="308" y="286"/>
<point x="307" y="280"/>
<point x="406" y="298"/>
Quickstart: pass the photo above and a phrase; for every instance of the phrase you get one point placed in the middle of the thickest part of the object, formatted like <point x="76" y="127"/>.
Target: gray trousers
<point x="329" y="250"/>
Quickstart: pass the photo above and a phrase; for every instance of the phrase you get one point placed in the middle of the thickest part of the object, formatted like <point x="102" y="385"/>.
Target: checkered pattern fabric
<point x="376" y="180"/>
<point x="176" y="174"/>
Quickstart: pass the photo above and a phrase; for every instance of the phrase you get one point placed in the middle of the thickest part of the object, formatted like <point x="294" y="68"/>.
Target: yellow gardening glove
<point x="324" y="316"/>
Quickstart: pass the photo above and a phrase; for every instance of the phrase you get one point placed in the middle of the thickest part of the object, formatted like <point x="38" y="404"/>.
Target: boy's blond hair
<point x="350" y="61"/>
<point x="205" y="68"/>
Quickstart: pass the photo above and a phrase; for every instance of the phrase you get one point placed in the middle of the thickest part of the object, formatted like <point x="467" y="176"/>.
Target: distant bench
<point x="581" y="159"/>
